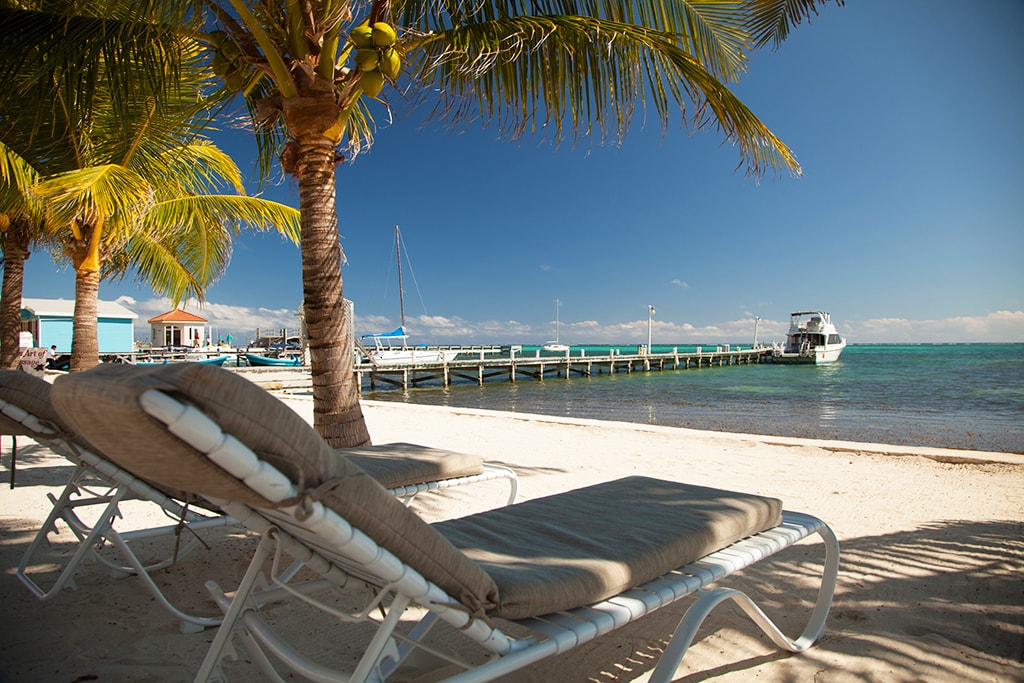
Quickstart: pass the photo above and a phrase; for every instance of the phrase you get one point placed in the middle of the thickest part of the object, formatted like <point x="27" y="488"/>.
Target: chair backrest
<point x="104" y="404"/>
<point x="26" y="395"/>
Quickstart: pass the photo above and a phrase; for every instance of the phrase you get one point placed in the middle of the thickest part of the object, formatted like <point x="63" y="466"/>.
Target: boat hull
<point x="256" y="360"/>
<point x="216" y="360"/>
<point x="814" y="357"/>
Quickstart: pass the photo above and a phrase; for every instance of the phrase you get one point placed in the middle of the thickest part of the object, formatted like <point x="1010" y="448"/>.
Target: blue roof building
<point x="51" y="321"/>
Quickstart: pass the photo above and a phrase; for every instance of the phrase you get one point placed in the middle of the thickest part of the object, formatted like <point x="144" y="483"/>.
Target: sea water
<point x="964" y="396"/>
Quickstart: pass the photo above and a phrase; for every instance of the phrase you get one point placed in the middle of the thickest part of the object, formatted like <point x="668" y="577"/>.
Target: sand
<point x="930" y="585"/>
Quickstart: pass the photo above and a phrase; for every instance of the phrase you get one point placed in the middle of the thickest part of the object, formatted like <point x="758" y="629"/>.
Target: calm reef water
<point x="966" y="396"/>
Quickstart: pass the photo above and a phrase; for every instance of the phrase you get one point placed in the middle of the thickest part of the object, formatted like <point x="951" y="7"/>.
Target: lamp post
<point x="650" y="315"/>
<point x="756" y="321"/>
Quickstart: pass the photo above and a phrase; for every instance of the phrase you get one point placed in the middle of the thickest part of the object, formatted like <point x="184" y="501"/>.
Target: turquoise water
<point x="968" y="396"/>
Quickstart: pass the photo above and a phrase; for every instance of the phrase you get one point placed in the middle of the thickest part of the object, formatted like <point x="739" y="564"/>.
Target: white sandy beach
<point x="930" y="584"/>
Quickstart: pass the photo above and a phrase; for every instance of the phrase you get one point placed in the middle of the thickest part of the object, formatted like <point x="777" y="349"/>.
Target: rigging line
<point x="408" y="262"/>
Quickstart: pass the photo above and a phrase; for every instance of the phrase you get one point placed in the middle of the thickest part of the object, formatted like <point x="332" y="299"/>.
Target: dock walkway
<point x="538" y="367"/>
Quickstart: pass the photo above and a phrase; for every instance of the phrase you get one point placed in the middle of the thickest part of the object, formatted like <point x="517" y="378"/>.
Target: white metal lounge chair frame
<point x="491" y="472"/>
<point x="353" y="554"/>
<point x="97" y="481"/>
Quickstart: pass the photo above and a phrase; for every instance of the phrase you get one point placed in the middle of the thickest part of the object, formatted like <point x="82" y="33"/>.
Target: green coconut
<point x="221" y="64"/>
<point x="229" y="50"/>
<point x="367" y="59"/>
<point x="235" y="80"/>
<point x="372" y="82"/>
<point x="216" y="38"/>
<point x="362" y="36"/>
<point x="390" y="63"/>
<point x="384" y="34"/>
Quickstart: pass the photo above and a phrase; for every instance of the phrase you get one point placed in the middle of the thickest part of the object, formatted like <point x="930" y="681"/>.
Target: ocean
<point x="963" y="396"/>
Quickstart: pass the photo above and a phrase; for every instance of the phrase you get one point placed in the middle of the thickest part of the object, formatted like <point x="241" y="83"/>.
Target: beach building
<point x="51" y="321"/>
<point x="178" y="328"/>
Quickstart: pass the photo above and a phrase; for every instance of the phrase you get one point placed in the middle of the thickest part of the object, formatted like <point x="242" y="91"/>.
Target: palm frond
<point x="115" y="194"/>
<point x="585" y="67"/>
<point x="167" y="265"/>
<point x="66" y="53"/>
<point x="17" y="178"/>
<point x="197" y="168"/>
<point x="184" y="244"/>
<point x="772" y="20"/>
<point x="232" y="211"/>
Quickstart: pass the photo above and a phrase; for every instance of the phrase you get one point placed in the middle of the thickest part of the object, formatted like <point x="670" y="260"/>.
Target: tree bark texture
<point x="16" y="251"/>
<point x="337" y="415"/>
<point x="85" y="345"/>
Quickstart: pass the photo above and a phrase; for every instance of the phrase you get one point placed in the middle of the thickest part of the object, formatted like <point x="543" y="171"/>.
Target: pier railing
<point x="513" y="367"/>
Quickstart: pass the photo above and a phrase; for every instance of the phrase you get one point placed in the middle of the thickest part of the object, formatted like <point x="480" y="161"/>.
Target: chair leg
<point x="239" y="604"/>
<point x="189" y="622"/>
<point x="86" y="541"/>
<point x="708" y="599"/>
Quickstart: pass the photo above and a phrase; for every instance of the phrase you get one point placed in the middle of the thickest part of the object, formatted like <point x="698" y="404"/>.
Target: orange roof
<point x="177" y="316"/>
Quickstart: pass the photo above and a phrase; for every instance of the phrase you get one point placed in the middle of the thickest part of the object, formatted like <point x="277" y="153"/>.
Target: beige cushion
<point x="103" y="403"/>
<point x="586" y="545"/>
<point x="35" y="395"/>
<point x="29" y="393"/>
<point x="406" y="464"/>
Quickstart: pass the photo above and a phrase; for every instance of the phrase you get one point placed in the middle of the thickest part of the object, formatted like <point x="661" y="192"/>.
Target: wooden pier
<point x="538" y="367"/>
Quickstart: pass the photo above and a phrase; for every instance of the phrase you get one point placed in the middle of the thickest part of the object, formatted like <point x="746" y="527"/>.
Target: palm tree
<point x="19" y="220"/>
<point x="307" y="71"/>
<point x="142" y="193"/>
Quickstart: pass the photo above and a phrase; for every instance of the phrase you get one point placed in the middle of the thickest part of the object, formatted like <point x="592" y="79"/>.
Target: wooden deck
<point x="538" y="367"/>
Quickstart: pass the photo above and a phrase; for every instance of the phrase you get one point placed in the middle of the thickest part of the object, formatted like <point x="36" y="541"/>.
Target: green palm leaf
<point x="184" y="244"/>
<point x="17" y="178"/>
<point x="113" y="194"/>
<point x="231" y="211"/>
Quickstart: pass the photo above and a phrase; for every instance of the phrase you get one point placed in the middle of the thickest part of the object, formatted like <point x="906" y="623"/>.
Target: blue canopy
<point x="399" y="332"/>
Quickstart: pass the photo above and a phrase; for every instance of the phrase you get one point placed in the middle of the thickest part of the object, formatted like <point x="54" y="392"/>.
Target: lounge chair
<point x="100" y="486"/>
<point x="565" y="568"/>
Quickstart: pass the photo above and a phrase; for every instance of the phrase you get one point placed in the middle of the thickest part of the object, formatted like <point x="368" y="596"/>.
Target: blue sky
<point x="907" y="224"/>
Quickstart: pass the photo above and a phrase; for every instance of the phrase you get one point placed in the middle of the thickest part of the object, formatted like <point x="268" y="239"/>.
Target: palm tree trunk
<point x="16" y="250"/>
<point x="337" y="415"/>
<point x="85" y="345"/>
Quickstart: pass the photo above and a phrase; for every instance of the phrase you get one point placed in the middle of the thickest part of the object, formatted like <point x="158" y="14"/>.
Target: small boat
<point x="255" y="359"/>
<point x="209" y="360"/>
<point x="555" y="346"/>
<point x="213" y="360"/>
<point x="812" y="338"/>
<point x="393" y="348"/>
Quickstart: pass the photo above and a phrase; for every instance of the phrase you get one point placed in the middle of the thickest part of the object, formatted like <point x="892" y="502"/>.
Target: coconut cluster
<point x="227" y="61"/>
<point x="376" y="56"/>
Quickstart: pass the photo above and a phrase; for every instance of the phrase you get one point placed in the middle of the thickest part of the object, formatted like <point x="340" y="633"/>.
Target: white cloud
<point x="681" y="284"/>
<point x="998" y="326"/>
<point x="242" y="322"/>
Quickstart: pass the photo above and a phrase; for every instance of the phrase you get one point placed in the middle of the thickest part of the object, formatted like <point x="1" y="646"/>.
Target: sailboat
<point x="555" y="345"/>
<point x="393" y="347"/>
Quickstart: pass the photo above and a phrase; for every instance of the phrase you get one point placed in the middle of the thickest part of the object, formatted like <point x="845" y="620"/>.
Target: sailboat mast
<point x="401" y="291"/>
<point x="556" y="319"/>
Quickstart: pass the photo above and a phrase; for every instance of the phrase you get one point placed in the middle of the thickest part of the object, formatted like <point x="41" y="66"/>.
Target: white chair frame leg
<point x="710" y="598"/>
<point x="102" y="531"/>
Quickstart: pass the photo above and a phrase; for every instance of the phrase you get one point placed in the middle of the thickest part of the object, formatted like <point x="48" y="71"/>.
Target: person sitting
<point x="51" y="357"/>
